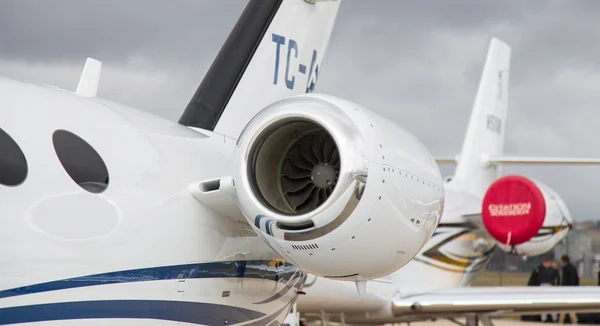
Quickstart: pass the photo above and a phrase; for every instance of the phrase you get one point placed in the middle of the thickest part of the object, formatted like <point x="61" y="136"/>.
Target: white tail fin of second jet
<point x="483" y="147"/>
<point x="485" y="132"/>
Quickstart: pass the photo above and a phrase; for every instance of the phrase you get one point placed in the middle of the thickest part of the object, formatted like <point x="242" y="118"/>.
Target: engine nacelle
<point x="336" y="189"/>
<point x="525" y="217"/>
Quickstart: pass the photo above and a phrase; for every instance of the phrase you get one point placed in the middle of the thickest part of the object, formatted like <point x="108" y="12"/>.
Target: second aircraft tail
<point x="486" y="128"/>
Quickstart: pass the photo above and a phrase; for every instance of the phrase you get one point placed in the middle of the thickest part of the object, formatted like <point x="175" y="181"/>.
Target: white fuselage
<point x="142" y="249"/>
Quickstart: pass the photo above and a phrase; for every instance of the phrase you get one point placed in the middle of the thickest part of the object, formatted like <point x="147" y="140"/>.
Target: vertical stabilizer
<point x="274" y="51"/>
<point x="487" y="125"/>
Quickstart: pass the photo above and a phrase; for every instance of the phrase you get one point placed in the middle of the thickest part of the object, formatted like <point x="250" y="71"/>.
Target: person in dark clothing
<point x="534" y="278"/>
<point x="569" y="278"/>
<point x="549" y="274"/>
<point x="548" y="277"/>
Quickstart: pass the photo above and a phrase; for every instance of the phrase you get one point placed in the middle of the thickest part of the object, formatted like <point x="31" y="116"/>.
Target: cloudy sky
<point x="415" y="62"/>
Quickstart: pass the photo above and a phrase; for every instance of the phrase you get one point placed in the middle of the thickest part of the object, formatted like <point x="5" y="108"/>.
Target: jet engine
<point x="525" y="217"/>
<point x="336" y="189"/>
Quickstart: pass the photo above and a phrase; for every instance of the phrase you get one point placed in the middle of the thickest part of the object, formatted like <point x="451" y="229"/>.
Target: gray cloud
<point x="113" y="30"/>
<point x="417" y="63"/>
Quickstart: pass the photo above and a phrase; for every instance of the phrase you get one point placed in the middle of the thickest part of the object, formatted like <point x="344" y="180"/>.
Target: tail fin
<point x="485" y="132"/>
<point x="274" y="51"/>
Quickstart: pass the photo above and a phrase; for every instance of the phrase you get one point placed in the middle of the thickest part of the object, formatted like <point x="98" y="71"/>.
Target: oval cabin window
<point x="13" y="165"/>
<point x="81" y="161"/>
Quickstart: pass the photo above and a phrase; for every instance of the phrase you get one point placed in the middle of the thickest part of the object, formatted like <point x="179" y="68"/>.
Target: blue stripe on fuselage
<point x="258" y="269"/>
<point x="180" y="311"/>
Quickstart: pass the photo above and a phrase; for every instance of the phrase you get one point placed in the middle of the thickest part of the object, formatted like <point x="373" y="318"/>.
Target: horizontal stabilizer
<point x="441" y="160"/>
<point x="90" y="78"/>
<point x="542" y="160"/>
<point x="494" y="160"/>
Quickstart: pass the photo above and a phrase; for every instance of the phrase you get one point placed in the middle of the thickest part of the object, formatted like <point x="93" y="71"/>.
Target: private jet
<point x="109" y="212"/>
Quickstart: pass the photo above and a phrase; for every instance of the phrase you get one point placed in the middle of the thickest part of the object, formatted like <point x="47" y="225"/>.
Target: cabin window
<point x="81" y="161"/>
<point x="13" y="165"/>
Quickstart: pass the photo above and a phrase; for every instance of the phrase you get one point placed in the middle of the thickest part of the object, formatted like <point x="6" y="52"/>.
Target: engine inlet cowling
<point x="299" y="157"/>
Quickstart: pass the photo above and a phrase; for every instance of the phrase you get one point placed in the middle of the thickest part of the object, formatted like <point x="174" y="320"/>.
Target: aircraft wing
<point x="498" y="300"/>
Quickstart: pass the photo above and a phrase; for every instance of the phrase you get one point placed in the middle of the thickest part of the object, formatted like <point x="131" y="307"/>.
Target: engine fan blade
<point x="296" y="158"/>
<point x="292" y="171"/>
<point x="297" y="198"/>
<point x="328" y="149"/>
<point x="306" y="149"/>
<point x="322" y="196"/>
<point x="293" y="185"/>
<point x="311" y="202"/>
<point x="318" y="144"/>
<point x="335" y="157"/>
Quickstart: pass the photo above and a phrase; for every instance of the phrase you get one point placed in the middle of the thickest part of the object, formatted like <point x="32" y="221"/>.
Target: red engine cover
<point x="513" y="210"/>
